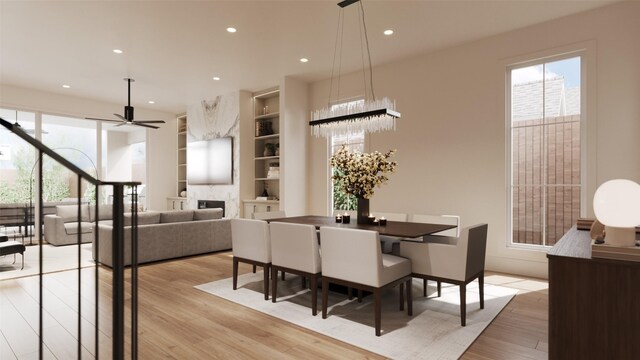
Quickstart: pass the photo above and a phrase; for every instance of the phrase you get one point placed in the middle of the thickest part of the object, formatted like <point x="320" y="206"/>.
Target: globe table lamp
<point x="616" y="204"/>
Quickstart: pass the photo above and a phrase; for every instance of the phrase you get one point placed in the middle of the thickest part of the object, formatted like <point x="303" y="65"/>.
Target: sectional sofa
<point x="62" y="227"/>
<point x="167" y="235"/>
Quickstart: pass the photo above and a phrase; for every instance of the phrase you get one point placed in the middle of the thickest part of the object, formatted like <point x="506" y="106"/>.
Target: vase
<point x="363" y="211"/>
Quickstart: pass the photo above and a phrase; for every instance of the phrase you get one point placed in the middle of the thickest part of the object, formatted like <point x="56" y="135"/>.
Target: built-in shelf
<point x="267" y="158"/>
<point x="267" y="116"/>
<point x="266" y="179"/>
<point x="182" y="149"/>
<point x="266" y="137"/>
<point x="181" y="146"/>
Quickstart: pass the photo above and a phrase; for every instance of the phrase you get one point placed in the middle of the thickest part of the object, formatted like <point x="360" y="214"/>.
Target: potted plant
<point x="277" y="149"/>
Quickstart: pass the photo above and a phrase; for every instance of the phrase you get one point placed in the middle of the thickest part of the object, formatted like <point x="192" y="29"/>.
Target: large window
<point x="545" y="157"/>
<point x="16" y="158"/>
<point x="354" y="141"/>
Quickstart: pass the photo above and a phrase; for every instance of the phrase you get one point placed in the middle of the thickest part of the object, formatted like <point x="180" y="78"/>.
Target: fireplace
<point x="204" y="204"/>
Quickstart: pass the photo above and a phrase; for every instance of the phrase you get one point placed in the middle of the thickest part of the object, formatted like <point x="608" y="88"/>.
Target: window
<point x="545" y="157"/>
<point x="354" y="141"/>
<point x="17" y="158"/>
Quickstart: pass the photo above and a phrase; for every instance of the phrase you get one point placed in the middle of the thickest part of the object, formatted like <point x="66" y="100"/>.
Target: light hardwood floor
<point x="177" y="321"/>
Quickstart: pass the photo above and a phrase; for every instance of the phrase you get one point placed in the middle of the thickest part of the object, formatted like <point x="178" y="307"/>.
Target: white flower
<point x="359" y="173"/>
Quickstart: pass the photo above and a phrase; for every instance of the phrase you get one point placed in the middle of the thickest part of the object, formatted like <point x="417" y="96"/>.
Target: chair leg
<point x="22" y="255"/>
<point x="282" y="275"/>
<point x="439" y="289"/>
<point x="377" y="310"/>
<point x="349" y="295"/>
<point x="409" y="297"/>
<point x="235" y="273"/>
<point x="359" y="295"/>
<point x="274" y="283"/>
<point x="304" y="282"/>
<point x="481" y="286"/>
<point x="254" y="269"/>
<point x="325" y="297"/>
<point x="266" y="281"/>
<point x="463" y="304"/>
<point x="401" y="296"/>
<point x="14" y="259"/>
<point x="313" y="281"/>
<point x="424" y="287"/>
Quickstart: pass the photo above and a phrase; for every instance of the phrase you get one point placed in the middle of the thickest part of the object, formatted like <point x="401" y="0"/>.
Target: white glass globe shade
<point x="617" y="203"/>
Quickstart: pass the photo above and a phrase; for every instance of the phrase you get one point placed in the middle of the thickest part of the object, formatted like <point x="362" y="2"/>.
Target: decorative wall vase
<point x="363" y="211"/>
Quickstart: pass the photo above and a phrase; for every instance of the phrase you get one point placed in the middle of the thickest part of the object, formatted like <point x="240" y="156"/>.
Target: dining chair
<point x="389" y="242"/>
<point x="251" y="244"/>
<point x="353" y="258"/>
<point x="438" y="219"/>
<point x="295" y="249"/>
<point x="451" y="260"/>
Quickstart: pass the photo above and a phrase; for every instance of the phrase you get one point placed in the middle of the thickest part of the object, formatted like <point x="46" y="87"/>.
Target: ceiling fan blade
<point x="121" y="123"/>
<point x="98" y="119"/>
<point x="145" y="125"/>
<point x="149" y="121"/>
<point x="121" y="117"/>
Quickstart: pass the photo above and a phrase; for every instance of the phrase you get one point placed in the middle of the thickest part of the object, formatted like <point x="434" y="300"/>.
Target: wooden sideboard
<point x="594" y="304"/>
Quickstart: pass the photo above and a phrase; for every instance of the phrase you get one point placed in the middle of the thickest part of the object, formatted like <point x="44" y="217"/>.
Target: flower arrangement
<point x="357" y="173"/>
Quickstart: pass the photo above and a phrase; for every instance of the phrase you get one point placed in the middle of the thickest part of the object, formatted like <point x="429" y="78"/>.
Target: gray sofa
<point x="169" y="234"/>
<point x="62" y="227"/>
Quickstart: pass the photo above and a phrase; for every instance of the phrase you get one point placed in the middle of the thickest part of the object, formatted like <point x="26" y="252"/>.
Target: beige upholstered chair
<point x="452" y="260"/>
<point x="353" y="258"/>
<point x="438" y="219"/>
<point x="252" y="245"/>
<point x="295" y="249"/>
<point x="266" y="215"/>
<point x="389" y="242"/>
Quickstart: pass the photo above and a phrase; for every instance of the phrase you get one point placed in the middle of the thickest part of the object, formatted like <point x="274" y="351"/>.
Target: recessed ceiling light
<point x="117" y="51"/>
<point x="388" y="32"/>
<point x="216" y="78"/>
<point x="151" y="102"/>
<point x="304" y="60"/>
<point x="66" y="86"/>
<point x="231" y="29"/>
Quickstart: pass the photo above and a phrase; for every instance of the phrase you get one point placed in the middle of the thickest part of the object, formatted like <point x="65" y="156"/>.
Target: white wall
<point x="118" y="157"/>
<point x="161" y="143"/>
<point x="451" y="138"/>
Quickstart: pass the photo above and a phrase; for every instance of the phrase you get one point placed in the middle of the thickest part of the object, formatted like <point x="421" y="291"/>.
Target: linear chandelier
<point x="370" y="115"/>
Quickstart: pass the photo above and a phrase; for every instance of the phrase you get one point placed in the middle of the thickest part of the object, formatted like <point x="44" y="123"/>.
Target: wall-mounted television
<point x="210" y="162"/>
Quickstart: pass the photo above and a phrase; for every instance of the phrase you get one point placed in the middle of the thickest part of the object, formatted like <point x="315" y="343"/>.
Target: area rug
<point x="56" y="258"/>
<point x="433" y="332"/>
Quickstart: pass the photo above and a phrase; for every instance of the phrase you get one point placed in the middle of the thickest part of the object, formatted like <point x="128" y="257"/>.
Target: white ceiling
<point x="174" y="48"/>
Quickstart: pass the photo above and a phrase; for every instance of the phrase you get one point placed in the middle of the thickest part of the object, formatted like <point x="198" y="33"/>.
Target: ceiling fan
<point x="127" y="119"/>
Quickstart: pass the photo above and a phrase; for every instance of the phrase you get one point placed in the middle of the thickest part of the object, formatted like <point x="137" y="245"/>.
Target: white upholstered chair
<point x="438" y="219"/>
<point x="252" y="245"/>
<point x="267" y="215"/>
<point x="389" y="242"/>
<point x="452" y="260"/>
<point x="295" y="249"/>
<point x="353" y="258"/>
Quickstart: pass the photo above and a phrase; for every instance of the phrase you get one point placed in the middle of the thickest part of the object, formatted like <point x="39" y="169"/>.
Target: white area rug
<point x="433" y="332"/>
<point x="56" y="258"/>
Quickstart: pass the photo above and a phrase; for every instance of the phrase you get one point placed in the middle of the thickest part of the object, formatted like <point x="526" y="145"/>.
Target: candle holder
<point x="338" y="218"/>
<point x="371" y="219"/>
<point x="346" y="218"/>
<point x="383" y="221"/>
<point x="376" y="222"/>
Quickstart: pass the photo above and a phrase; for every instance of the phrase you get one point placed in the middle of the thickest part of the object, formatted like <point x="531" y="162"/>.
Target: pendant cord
<point x="366" y="37"/>
<point x="364" y="73"/>
<point x="335" y="52"/>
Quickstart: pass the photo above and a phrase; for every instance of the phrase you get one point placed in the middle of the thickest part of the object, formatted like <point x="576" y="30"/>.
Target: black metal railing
<point x="118" y="282"/>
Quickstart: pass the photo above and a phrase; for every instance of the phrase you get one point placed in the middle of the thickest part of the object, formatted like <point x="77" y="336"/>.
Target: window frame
<point x="585" y="73"/>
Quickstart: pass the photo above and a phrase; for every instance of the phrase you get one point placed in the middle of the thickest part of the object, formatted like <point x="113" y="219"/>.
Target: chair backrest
<point x="295" y="246"/>
<point x="476" y="249"/>
<point x="351" y="255"/>
<point x="391" y="216"/>
<point x="269" y="215"/>
<point x="250" y="239"/>
<point x="440" y="219"/>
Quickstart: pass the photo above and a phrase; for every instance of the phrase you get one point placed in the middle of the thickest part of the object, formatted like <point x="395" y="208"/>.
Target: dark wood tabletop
<point x="393" y="228"/>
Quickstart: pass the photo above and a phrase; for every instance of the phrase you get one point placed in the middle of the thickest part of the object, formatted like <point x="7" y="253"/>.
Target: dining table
<point x="401" y="229"/>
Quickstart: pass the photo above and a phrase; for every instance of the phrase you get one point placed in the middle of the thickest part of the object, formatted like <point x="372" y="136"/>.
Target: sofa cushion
<point x="105" y="212"/>
<point x="207" y="214"/>
<point x="176" y="216"/>
<point x="70" y="212"/>
<point x="144" y="218"/>
<point x="71" y="228"/>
